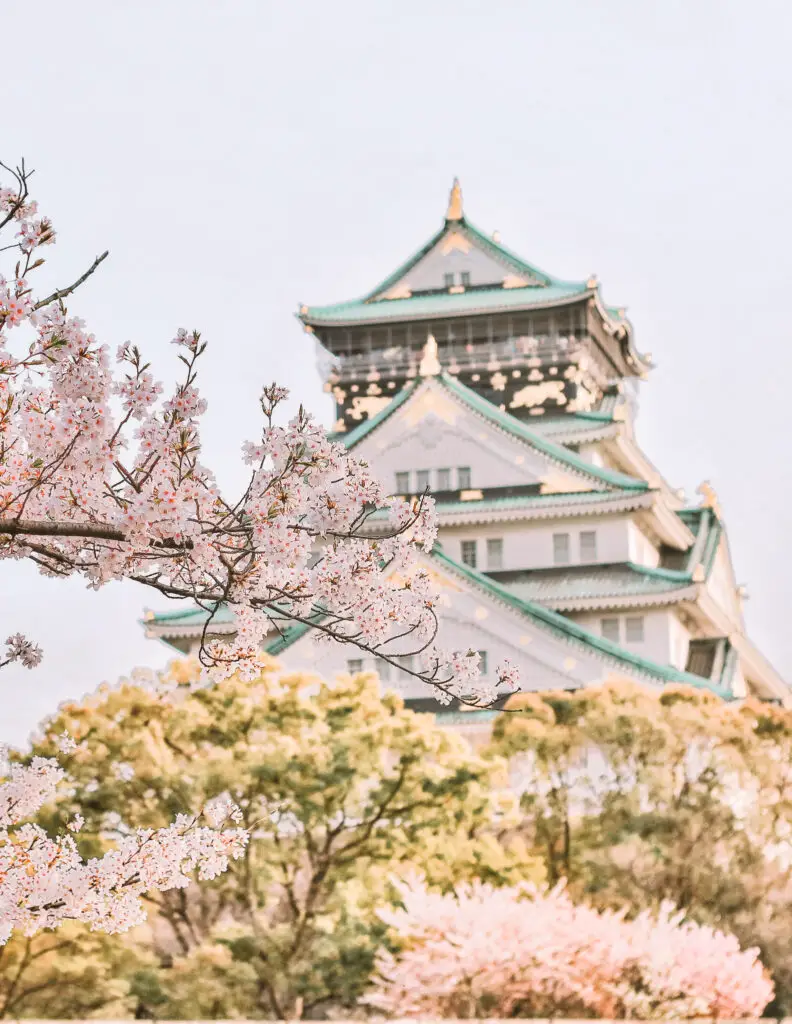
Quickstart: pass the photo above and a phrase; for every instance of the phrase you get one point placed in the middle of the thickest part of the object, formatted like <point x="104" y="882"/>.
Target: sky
<point x="239" y="159"/>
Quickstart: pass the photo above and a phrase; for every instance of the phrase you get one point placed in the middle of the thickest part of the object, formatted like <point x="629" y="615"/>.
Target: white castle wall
<point x="530" y="545"/>
<point x="665" y="640"/>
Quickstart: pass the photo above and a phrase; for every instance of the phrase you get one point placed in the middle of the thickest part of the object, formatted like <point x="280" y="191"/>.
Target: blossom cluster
<point x="19" y="648"/>
<point x="522" y="952"/>
<point x="101" y="475"/>
<point x="44" y="880"/>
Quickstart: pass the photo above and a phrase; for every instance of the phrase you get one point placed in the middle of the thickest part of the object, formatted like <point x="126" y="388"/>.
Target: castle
<point x="511" y="396"/>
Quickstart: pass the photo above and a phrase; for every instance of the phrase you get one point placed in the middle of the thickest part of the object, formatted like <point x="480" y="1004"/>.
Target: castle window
<point x="444" y="479"/>
<point x="463" y="478"/>
<point x="422" y="480"/>
<point x="634" y="629"/>
<point x="384" y="670"/>
<point x="469" y="553"/>
<point x="588" y="546"/>
<point x="448" y="280"/>
<point x="466" y="278"/>
<point x="610" y="630"/>
<point x="482" y="662"/>
<point x="495" y="553"/>
<point x="402" y="483"/>
<point x="354" y="666"/>
<point x="407" y="666"/>
<point x="561" y="548"/>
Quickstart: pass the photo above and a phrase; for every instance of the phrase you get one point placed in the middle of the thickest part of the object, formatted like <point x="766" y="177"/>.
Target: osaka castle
<point x="510" y="395"/>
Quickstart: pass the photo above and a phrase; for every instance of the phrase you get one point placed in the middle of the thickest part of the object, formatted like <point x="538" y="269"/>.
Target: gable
<point x="433" y="431"/>
<point x="456" y="252"/>
<point x="468" y="620"/>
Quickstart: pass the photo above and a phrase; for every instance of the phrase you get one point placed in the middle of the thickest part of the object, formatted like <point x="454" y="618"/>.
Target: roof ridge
<point x="660" y="572"/>
<point x="407" y="265"/>
<point x="512" y="257"/>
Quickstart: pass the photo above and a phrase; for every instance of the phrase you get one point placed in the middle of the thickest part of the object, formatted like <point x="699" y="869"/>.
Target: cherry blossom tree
<point x="101" y="476"/>
<point x="518" y="952"/>
<point x="44" y="881"/>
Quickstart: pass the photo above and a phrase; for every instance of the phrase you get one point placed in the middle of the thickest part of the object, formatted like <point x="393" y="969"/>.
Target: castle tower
<point x="509" y="395"/>
<point x="529" y="343"/>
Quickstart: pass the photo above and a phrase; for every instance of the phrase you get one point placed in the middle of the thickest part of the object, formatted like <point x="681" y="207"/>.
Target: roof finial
<point x="709" y="499"/>
<point x="455" y="202"/>
<point x="430" y="364"/>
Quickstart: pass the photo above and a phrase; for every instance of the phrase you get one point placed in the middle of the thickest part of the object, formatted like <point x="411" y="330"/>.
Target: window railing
<point x="511" y="352"/>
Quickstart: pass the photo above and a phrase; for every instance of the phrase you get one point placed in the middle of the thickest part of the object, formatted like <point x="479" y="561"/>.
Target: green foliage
<point x="638" y="796"/>
<point x="71" y="973"/>
<point x="342" y="788"/>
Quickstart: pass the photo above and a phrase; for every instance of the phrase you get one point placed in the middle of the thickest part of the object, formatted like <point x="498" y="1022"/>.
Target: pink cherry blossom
<point x="523" y="952"/>
<point x="101" y="475"/>
<point x="44" y="881"/>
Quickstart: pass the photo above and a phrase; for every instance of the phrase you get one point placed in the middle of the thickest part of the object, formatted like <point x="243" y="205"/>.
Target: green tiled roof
<point x="547" y="291"/>
<point x="553" y="503"/>
<point x="553" y="622"/>
<point x="504" y="420"/>
<point x="575" y="423"/>
<point x="708" y="531"/>
<point x="442" y="304"/>
<point x="562" y="626"/>
<point x="565" y="586"/>
<point x="528" y="501"/>
<point x="191" y="617"/>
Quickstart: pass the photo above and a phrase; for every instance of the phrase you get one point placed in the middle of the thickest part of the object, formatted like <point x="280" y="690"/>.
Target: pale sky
<point x="239" y="158"/>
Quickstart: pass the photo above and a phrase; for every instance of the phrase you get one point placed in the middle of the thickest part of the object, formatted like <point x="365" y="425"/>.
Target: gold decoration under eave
<point x="367" y="406"/>
<point x="709" y="499"/>
<point x="498" y="381"/>
<point x="430" y="403"/>
<point x="538" y="394"/>
<point x="454" y="240"/>
<point x="399" y="291"/>
<point x="454" y="211"/>
<point x="430" y="364"/>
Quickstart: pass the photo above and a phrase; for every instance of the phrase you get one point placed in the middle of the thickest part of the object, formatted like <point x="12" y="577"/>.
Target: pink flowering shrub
<point x="523" y="953"/>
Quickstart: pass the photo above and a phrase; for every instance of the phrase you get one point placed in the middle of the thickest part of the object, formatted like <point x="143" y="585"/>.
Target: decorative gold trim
<point x="471" y="495"/>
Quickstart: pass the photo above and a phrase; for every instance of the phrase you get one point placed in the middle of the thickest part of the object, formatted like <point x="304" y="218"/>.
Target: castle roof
<point x="499" y="418"/>
<point x="501" y="281"/>
<point x="190" y="623"/>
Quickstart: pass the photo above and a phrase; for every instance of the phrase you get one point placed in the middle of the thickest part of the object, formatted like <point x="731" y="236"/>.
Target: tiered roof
<point x="513" y="284"/>
<point x="557" y="453"/>
<point x="190" y="623"/>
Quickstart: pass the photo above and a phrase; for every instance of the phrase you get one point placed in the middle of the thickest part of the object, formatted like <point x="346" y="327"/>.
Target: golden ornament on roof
<point x="709" y="498"/>
<point x="430" y="364"/>
<point x="454" y="211"/>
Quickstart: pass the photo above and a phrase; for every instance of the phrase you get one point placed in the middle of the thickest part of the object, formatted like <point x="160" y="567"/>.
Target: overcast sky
<point x="240" y="158"/>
